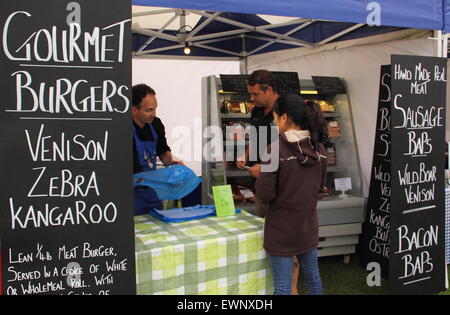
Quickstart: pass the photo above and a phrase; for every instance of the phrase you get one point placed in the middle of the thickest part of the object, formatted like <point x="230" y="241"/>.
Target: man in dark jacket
<point x="263" y="90"/>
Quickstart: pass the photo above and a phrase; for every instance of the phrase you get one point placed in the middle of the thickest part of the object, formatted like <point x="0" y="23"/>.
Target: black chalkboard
<point x="329" y="85"/>
<point x="375" y="240"/>
<point x="66" y="218"/>
<point x="234" y="83"/>
<point x="417" y="250"/>
<point x="288" y="82"/>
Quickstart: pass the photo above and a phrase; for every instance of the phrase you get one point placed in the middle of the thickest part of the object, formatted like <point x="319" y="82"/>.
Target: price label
<point x="343" y="183"/>
<point x="223" y="200"/>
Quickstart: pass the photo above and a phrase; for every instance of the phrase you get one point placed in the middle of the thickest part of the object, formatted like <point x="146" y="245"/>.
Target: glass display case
<point x="225" y="116"/>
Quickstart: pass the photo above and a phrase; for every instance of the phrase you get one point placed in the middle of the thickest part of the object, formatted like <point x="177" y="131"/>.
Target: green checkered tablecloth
<point x="206" y="256"/>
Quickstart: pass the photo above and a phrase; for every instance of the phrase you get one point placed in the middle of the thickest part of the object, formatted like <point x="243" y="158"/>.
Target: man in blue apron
<point x="149" y="142"/>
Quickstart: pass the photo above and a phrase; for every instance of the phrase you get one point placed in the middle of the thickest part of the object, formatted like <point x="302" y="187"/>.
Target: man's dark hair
<point x="139" y="92"/>
<point x="265" y="79"/>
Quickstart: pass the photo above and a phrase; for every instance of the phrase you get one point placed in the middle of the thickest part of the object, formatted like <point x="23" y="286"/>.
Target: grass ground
<point x="339" y="278"/>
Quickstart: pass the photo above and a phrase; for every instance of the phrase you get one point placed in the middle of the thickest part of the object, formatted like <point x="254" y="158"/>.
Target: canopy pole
<point x="243" y="65"/>
<point x="244" y="55"/>
<point x="441" y="44"/>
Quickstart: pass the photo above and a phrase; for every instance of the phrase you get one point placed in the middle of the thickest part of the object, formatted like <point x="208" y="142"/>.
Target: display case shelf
<point x="232" y="172"/>
<point x="235" y="116"/>
<point x="331" y="115"/>
<point x="337" y="140"/>
<point x="336" y="169"/>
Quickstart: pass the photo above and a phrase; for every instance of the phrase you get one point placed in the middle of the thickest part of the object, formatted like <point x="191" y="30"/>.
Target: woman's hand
<point x="255" y="170"/>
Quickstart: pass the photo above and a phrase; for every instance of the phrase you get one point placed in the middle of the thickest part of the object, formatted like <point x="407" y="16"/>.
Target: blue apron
<point x="145" y="198"/>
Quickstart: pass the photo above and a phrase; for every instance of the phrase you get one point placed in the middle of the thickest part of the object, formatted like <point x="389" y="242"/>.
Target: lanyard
<point x="146" y="149"/>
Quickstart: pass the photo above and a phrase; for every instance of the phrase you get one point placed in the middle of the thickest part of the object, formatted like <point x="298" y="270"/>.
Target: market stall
<point x="317" y="61"/>
<point x="100" y="239"/>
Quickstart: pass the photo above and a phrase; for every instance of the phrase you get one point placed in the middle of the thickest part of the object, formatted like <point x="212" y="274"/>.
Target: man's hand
<point x="168" y="159"/>
<point x="179" y="162"/>
<point x="241" y="162"/>
<point x="255" y="170"/>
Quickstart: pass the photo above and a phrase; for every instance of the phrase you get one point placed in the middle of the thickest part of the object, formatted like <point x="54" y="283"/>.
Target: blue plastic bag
<point x="185" y="214"/>
<point x="170" y="183"/>
<point x="145" y="199"/>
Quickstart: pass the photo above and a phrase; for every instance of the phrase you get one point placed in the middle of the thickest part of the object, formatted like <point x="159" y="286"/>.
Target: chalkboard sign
<point x="329" y="85"/>
<point x="417" y="249"/>
<point x="375" y="243"/>
<point x="288" y="82"/>
<point x="66" y="213"/>
<point x="234" y="83"/>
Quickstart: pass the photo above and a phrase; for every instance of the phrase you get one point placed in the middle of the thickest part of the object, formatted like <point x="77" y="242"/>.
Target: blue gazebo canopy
<point x="322" y="21"/>
<point x="429" y="14"/>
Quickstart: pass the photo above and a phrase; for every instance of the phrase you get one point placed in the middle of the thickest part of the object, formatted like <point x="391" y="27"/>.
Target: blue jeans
<point x="282" y="273"/>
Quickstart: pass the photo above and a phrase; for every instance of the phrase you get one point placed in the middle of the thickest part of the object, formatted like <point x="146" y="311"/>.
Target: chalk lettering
<point x="380" y="220"/>
<point x="415" y="195"/>
<point x="382" y="234"/>
<point x="63" y="96"/>
<point x="65" y="186"/>
<point x="402" y="74"/>
<point x="419" y="87"/>
<point x="380" y="175"/>
<point x="420" y="264"/>
<point x="386" y="205"/>
<point x="385" y="83"/>
<point x="421" y="74"/>
<point x="379" y="247"/>
<point x="385" y="190"/>
<point x="101" y="251"/>
<point x="72" y="270"/>
<point x="104" y="280"/>
<point x="416" y="240"/>
<point x="385" y="140"/>
<point x="385" y="120"/>
<point x="116" y="266"/>
<point x="64" y="253"/>
<point x="40" y="288"/>
<point x="420" y="176"/>
<point x="45" y="150"/>
<point x="77" y="283"/>
<point x="21" y="276"/>
<point x="419" y="144"/>
<point x="20" y="257"/>
<point x="50" y="215"/>
<point x="440" y="75"/>
<point x="420" y="118"/>
<point x="74" y="44"/>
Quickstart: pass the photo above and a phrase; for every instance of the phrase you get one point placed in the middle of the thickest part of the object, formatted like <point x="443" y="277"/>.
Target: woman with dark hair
<point x="291" y="227"/>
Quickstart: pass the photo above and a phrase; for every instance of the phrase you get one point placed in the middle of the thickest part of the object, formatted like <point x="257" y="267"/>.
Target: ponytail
<point x="305" y="114"/>
<point x="316" y="124"/>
